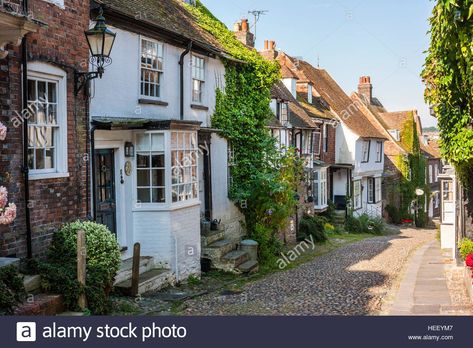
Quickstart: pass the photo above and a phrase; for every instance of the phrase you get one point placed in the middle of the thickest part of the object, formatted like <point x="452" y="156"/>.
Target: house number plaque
<point x="128" y="168"/>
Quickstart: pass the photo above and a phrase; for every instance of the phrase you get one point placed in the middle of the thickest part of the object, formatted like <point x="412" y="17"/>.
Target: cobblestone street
<point x="356" y="279"/>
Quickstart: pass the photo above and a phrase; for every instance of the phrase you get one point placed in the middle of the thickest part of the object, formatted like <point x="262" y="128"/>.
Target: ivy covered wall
<point x="264" y="180"/>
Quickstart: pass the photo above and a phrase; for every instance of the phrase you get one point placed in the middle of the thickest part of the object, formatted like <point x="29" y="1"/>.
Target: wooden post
<point x="135" y="272"/>
<point x="81" y="266"/>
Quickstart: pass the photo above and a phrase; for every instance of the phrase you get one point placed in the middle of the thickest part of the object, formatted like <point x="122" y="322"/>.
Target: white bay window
<point x="185" y="181"/>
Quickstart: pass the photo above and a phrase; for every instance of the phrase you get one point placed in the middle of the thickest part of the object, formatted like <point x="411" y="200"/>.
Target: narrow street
<point x="358" y="279"/>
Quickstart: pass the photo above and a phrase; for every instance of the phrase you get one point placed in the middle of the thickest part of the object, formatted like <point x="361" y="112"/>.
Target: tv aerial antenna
<point x="257" y="15"/>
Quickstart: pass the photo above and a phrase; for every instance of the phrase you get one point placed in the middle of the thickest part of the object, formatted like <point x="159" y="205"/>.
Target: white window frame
<point x="379" y="151"/>
<point x="378" y="189"/>
<point x="395" y="133"/>
<point x="365" y="151"/>
<point x="189" y="161"/>
<point x="430" y="174"/>
<point x="46" y="72"/>
<point x="279" y="112"/>
<point x="160" y="72"/>
<point x="371" y="191"/>
<point x="436" y="172"/>
<point x="320" y="188"/>
<point x="448" y="202"/>
<point x="58" y="3"/>
<point x="357" y="196"/>
<point x="202" y="81"/>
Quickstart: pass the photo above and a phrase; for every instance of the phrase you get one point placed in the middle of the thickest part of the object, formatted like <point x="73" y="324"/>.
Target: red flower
<point x="469" y="261"/>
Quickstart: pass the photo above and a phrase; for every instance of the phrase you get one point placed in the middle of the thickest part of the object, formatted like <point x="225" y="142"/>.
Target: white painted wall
<point x="372" y="167"/>
<point x="345" y="145"/>
<point x="224" y="208"/>
<point x="118" y="92"/>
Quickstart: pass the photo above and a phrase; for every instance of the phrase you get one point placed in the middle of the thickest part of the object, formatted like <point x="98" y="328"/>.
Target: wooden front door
<point x="105" y="197"/>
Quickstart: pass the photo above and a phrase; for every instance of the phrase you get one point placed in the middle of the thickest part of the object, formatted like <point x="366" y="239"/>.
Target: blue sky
<point x="384" y="39"/>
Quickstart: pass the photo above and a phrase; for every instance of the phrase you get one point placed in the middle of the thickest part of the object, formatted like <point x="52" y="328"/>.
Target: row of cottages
<point x="349" y="162"/>
<point x="395" y="126"/>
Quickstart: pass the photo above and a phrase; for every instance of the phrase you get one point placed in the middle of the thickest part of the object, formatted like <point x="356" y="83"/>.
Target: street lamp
<point x="419" y="193"/>
<point x="100" y="40"/>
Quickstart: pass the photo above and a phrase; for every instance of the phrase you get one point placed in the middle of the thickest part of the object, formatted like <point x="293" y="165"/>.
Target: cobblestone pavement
<point x="356" y="279"/>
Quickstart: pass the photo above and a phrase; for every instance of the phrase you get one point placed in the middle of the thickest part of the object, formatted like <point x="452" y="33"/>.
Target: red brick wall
<point x="329" y="156"/>
<point x="53" y="201"/>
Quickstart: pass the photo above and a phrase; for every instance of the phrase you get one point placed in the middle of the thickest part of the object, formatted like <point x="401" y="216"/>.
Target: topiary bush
<point x="59" y="273"/>
<point x="12" y="290"/>
<point x="466" y="247"/>
<point x="313" y="226"/>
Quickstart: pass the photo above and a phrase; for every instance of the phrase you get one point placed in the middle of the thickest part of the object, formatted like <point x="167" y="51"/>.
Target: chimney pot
<point x="266" y="45"/>
<point x="244" y="25"/>
<point x="272" y="45"/>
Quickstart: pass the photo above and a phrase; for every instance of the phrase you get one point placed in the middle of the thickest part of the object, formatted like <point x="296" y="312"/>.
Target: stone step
<point x="211" y="237"/>
<point x="7" y="261"/>
<point x="216" y="250"/>
<point x="248" y="267"/>
<point x="32" y="283"/>
<point x="124" y="273"/>
<point x="236" y="258"/>
<point x="154" y="279"/>
<point x="41" y="304"/>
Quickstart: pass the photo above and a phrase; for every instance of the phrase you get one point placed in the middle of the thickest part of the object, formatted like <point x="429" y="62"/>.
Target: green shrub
<point x="353" y="225"/>
<point x="59" y="273"/>
<point x="269" y="245"/>
<point x="364" y="224"/>
<point x="466" y="247"/>
<point x="329" y="228"/>
<point x="12" y="290"/>
<point x="313" y="226"/>
<point x="394" y="214"/>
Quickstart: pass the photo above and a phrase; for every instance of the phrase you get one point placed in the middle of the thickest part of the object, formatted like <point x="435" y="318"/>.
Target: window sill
<point x="164" y="207"/>
<point x="152" y="102"/>
<point x="34" y="177"/>
<point x="199" y="107"/>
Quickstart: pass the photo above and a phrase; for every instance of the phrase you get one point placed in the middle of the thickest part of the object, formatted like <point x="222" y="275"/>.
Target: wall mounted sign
<point x="128" y="168"/>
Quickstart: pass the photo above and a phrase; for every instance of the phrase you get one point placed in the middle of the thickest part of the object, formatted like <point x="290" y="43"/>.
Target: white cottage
<point x="159" y="169"/>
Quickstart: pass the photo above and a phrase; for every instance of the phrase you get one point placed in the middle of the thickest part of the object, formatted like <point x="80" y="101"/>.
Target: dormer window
<point x="396" y="134"/>
<point x="309" y="93"/>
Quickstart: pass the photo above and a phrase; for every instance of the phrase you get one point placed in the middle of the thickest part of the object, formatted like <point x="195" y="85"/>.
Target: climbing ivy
<point x="413" y="170"/>
<point x="264" y="180"/>
<point x="448" y="75"/>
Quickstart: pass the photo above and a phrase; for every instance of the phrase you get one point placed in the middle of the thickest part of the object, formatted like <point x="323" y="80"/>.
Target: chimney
<point x="365" y="89"/>
<point x="243" y="34"/>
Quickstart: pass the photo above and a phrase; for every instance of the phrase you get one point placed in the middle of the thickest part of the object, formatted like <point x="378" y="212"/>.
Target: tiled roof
<point x="318" y="108"/>
<point x="340" y="103"/>
<point x="395" y="120"/>
<point x="297" y="115"/>
<point x="167" y="15"/>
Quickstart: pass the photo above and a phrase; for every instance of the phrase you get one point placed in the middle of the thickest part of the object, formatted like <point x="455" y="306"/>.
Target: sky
<point x="384" y="39"/>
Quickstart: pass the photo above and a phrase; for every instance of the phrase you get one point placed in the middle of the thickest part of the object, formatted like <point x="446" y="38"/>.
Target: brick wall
<point x="53" y="201"/>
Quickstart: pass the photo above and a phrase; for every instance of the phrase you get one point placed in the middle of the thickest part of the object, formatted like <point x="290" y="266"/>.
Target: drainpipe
<point x="181" y="66"/>
<point x="91" y="171"/>
<point x="25" y="169"/>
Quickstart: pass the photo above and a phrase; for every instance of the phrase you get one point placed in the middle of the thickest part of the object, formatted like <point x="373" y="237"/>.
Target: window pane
<point x="158" y="177"/>
<point x="42" y="91"/>
<point x="158" y="195"/>
<point x="40" y="159"/>
<point x="143" y="178"/>
<point x="142" y="142"/>
<point x="31" y="90"/>
<point x="144" y="195"/>
<point x="40" y="113"/>
<point x="157" y="161"/>
<point x="52" y="93"/>
<point x="49" y="160"/>
<point x="142" y="161"/>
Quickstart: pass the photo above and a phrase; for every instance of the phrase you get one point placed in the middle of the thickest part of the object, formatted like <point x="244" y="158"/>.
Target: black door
<point x="105" y="189"/>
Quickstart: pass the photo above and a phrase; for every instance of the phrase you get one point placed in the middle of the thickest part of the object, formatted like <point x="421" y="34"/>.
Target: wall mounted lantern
<point x="100" y="40"/>
<point x="129" y="149"/>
